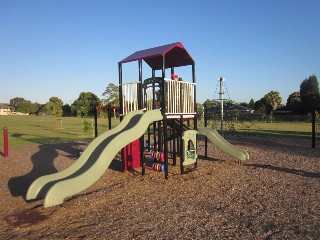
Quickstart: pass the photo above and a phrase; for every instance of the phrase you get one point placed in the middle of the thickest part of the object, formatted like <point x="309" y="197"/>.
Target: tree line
<point x="300" y="102"/>
<point x="83" y="106"/>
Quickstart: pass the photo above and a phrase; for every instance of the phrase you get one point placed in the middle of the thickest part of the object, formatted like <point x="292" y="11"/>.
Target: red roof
<point x="175" y="56"/>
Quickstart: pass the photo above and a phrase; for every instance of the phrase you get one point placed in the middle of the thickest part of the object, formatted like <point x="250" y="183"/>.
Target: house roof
<point x="229" y="107"/>
<point x="175" y="56"/>
<point x="3" y="105"/>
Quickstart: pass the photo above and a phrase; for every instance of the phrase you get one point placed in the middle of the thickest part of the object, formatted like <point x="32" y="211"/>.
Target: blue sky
<point x="62" y="48"/>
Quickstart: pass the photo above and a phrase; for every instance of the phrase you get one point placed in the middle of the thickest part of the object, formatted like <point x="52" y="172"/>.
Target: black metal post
<point x="163" y="66"/>
<point x="149" y="137"/>
<point x="165" y="133"/>
<point x="153" y="107"/>
<point x="121" y="112"/>
<point x="172" y="73"/>
<point x="181" y="144"/>
<point x="205" y="125"/>
<point x="109" y="116"/>
<point x="120" y="91"/>
<point x="195" y="122"/>
<point x="313" y="126"/>
<point x="195" y="119"/>
<point x="140" y="106"/>
<point x="163" y="109"/>
<point x="95" y="112"/>
<point x="174" y="144"/>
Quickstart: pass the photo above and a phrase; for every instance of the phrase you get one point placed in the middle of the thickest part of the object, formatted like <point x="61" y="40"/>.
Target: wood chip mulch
<point x="274" y="195"/>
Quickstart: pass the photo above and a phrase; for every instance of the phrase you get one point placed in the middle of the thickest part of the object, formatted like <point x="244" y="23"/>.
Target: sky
<point x="64" y="47"/>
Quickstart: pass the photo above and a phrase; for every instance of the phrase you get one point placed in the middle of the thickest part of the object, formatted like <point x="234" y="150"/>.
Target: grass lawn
<point x="290" y="129"/>
<point x="24" y="130"/>
<point x="286" y="129"/>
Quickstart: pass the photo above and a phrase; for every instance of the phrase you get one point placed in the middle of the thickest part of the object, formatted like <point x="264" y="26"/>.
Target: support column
<point x="140" y="106"/>
<point x="172" y="73"/>
<point x="95" y="111"/>
<point x="163" y="109"/>
<point x="205" y="125"/>
<point x="181" y="144"/>
<point x="120" y="90"/>
<point x="195" y="121"/>
<point x="174" y="144"/>
<point x="313" y="113"/>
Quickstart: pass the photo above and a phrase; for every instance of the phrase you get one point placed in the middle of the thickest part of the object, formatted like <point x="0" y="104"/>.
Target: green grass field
<point x="289" y="129"/>
<point x="24" y="130"/>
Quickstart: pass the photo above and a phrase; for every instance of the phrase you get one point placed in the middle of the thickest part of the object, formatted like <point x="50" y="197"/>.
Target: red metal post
<point x="5" y="142"/>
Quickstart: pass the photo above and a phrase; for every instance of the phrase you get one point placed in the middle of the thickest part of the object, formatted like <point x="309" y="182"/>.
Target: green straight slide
<point x="93" y="162"/>
<point x="223" y="144"/>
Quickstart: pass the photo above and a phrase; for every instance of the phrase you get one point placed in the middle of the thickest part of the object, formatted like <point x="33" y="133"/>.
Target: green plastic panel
<point x="189" y="155"/>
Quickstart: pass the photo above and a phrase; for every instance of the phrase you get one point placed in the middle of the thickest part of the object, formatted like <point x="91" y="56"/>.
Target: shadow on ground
<point x="285" y="170"/>
<point x="42" y="164"/>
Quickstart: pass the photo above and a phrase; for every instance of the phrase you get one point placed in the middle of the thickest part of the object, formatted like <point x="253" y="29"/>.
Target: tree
<point x="112" y="97"/>
<point x="244" y="104"/>
<point x="248" y="105"/>
<point x="273" y="99"/>
<point x="16" y="101"/>
<point x="55" y="107"/>
<point x="269" y="102"/>
<point x="112" y="94"/>
<point x="85" y="104"/>
<point x="212" y="103"/>
<point x="25" y="106"/>
<point x="84" y="115"/>
<point x="294" y="103"/>
<point x="199" y="110"/>
<point x="235" y="114"/>
<point x="66" y="110"/>
<point x="251" y="103"/>
<point x="293" y="98"/>
<point x="262" y="107"/>
<point x="309" y="92"/>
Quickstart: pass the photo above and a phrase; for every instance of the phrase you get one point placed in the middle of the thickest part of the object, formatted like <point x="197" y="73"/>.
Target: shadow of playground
<point x="43" y="164"/>
<point x="285" y="170"/>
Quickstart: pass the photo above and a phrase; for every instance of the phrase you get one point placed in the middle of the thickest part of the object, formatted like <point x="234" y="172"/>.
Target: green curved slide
<point x="93" y="162"/>
<point x="223" y="144"/>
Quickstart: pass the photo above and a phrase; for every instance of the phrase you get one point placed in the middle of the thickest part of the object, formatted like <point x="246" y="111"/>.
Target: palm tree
<point x="273" y="99"/>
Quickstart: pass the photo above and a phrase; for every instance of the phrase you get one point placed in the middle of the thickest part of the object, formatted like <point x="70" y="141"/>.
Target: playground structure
<point x="175" y="98"/>
<point x="160" y="106"/>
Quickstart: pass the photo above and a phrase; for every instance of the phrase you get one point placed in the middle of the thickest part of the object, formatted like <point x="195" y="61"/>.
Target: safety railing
<point x="179" y="96"/>
<point x="130" y="97"/>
